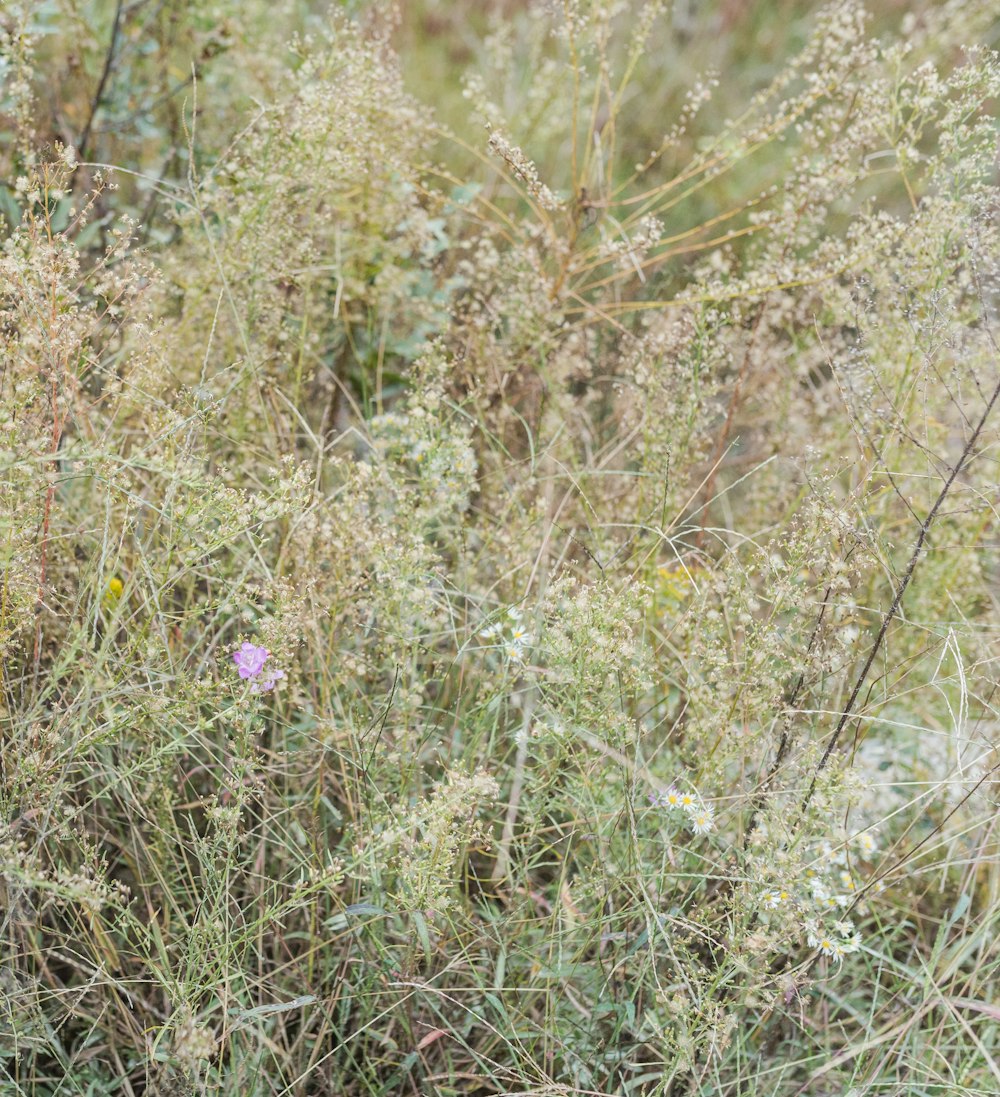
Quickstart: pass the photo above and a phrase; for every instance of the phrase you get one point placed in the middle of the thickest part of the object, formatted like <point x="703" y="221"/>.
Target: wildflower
<point x="826" y="900"/>
<point x="671" y="798"/>
<point x="490" y="632"/>
<point x="866" y="843"/>
<point x="702" y="820"/>
<point x="852" y="944"/>
<point x="268" y="683"/>
<point x="845" y="947"/>
<point x="847" y="882"/>
<point x="775" y="899"/>
<point x="824" y="942"/>
<point x="514" y="652"/>
<point x="113" y="592"/>
<point x="689" y="802"/>
<point x="250" y="660"/>
<point x="832" y="856"/>
<point x="676" y="581"/>
<point x="514" y="613"/>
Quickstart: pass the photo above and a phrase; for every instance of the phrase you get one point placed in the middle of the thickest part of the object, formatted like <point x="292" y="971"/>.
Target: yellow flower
<point x="113" y="592"/>
<point x="676" y="582"/>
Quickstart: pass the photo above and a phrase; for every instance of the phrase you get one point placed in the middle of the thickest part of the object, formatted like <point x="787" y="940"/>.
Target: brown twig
<point x="109" y="62"/>
<point x="897" y="599"/>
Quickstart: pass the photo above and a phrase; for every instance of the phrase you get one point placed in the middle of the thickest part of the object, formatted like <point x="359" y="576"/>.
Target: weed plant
<point x="504" y="605"/>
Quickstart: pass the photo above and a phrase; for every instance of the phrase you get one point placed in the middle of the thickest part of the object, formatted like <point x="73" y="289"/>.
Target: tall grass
<point x="499" y="600"/>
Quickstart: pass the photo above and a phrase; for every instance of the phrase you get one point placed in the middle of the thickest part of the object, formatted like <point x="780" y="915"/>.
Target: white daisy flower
<point x="701" y="820"/>
<point x="866" y="843"/>
<point x="824" y="942"/>
<point x="670" y="798"/>
<point x="832" y="856"/>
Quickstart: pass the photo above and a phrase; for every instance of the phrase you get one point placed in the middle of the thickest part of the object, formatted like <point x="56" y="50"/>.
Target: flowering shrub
<point x="497" y="586"/>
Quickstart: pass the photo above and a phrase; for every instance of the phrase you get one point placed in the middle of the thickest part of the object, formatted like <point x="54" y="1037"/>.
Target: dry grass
<point x="615" y="493"/>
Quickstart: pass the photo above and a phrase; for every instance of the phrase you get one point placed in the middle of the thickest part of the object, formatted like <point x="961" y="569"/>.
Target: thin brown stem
<point x="901" y="587"/>
<point x="109" y="64"/>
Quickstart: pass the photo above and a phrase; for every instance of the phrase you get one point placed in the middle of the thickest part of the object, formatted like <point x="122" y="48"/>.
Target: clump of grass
<point x="506" y="614"/>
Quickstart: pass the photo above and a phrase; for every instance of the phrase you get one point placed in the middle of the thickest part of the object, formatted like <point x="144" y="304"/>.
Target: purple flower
<point x="268" y="682"/>
<point x="250" y="660"/>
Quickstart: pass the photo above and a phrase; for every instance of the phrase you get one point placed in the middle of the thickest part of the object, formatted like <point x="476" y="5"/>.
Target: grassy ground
<point x="498" y="549"/>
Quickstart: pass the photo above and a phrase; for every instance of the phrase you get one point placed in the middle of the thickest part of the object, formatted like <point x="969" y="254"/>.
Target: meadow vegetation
<point x="499" y="549"/>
